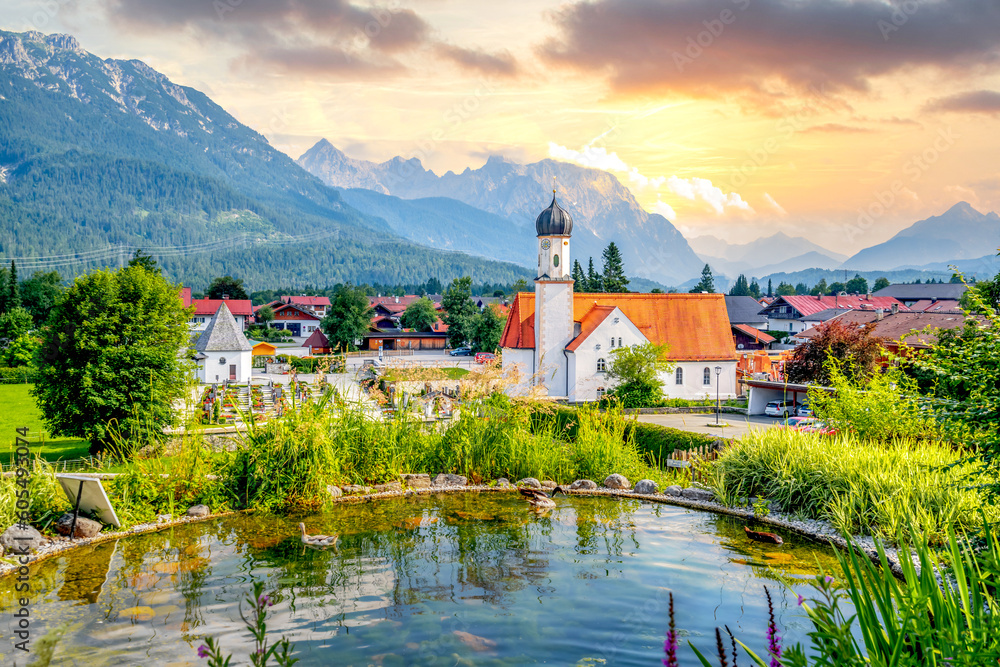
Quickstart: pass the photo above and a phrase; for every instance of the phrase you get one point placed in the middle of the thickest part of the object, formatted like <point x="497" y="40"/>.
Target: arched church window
<point x="706" y="376"/>
<point x="679" y="376"/>
<point x="612" y="341"/>
<point x="601" y="365"/>
<point x="555" y="260"/>
<point x="619" y="342"/>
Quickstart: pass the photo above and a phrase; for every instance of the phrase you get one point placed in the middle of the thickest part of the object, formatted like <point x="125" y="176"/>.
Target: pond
<point x="446" y="579"/>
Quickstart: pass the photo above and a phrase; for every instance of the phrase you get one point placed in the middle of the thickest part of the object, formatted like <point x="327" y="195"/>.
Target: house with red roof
<point x="298" y="320"/>
<point x="795" y="313"/>
<point x="205" y="310"/>
<point x="563" y="340"/>
<point x="319" y="305"/>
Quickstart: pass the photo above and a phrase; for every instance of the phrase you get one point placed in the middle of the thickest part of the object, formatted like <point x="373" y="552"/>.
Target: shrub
<point x="657" y="442"/>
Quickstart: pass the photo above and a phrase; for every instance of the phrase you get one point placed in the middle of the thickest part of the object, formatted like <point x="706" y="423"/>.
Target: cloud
<point x="701" y="190"/>
<point x="775" y="205"/>
<point x="314" y="37"/>
<point x="771" y="48"/>
<point x="839" y="128"/>
<point x="973" y="101"/>
<point x="496" y="64"/>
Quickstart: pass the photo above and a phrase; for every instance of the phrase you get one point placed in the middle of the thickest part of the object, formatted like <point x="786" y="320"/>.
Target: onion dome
<point x="554" y="221"/>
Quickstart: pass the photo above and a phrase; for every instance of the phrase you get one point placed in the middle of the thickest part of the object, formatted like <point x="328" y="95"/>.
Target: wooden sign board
<point x="93" y="499"/>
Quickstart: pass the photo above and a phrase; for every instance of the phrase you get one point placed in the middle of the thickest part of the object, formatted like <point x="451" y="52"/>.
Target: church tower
<point x="553" y="297"/>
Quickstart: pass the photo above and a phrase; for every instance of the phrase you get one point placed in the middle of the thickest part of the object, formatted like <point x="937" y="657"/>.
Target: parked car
<point x="782" y="409"/>
<point x="819" y="427"/>
<point x="461" y="352"/>
<point x="483" y="357"/>
<point x="804" y="411"/>
<point x="800" y="423"/>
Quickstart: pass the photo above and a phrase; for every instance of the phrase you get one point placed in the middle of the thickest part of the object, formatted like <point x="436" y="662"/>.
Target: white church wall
<point x="597" y="346"/>
<point x="521" y="360"/>
<point x="693" y="386"/>
<point x="213" y="369"/>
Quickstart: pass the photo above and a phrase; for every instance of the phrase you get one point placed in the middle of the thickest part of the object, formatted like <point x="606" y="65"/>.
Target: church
<point x="562" y="340"/>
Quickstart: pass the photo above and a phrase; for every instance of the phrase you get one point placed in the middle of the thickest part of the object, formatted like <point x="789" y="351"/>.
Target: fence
<point x="683" y="458"/>
<point x="64" y="465"/>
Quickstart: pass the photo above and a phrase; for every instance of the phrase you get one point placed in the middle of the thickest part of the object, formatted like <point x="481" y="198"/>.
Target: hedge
<point x="19" y="375"/>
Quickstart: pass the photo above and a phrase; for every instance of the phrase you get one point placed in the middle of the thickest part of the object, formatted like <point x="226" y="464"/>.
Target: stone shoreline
<point x="817" y="530"/>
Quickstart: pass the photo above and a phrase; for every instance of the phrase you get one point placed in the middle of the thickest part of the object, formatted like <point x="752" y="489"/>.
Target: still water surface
<point x="456" y="579"/>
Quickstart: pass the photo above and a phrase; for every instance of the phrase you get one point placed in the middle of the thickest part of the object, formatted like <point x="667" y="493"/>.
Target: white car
<point x="781" y="409"/>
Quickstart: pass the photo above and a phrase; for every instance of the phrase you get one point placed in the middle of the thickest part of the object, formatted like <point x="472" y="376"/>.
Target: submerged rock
<point x="646" y="486"/>
<point x="84" y="527"/>
<point x="198" y="511"/>
<point x="417" y="480"/>
<point x="616" y="481"/>
<point x="447" y="479"/>
<point x="20" y="539"/>
<point x="529" y="481"/>
<point x="585" y="484"/>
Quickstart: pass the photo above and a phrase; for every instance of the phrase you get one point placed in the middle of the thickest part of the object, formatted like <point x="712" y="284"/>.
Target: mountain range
<point x="771" y="254"/>
<point x="603" y="209"/>
<point x="98" y="157"/>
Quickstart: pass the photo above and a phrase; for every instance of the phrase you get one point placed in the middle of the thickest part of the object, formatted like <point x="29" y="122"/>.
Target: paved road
<point x="738" y="425"/>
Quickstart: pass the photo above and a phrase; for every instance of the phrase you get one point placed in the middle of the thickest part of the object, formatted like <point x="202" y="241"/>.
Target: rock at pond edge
<point x="583" y="484"/>
<point x="84" y="527"/>
<point x="199" y="511"/>
<point x="334" y="491"/>
<point x="692" y="493"/>
<point x="447" y="479"/>
<point x="673" y="490"/>
<point x="616" y="481"/>
<point x="646" y="486"/>
<point x="417" y="480"/>
<point x="529" y="481"/>
<point x="12" y="545"/>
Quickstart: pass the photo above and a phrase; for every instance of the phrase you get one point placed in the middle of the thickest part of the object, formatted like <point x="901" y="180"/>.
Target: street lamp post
<point x="718" y="374"/>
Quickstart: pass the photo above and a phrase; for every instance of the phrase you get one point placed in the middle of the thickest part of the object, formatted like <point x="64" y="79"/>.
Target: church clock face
<point x="546" y="244"/>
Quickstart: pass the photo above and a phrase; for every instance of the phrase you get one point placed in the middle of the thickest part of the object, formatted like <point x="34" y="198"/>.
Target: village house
<point x="299" y="321"/>
<point x="791" y="313"/>
<point x="910" y="293"/>
<point x="319" y="305"/>
<point x="222" y="351"/>
<point x="205" y="309"/>
<point x="563" y="340"/>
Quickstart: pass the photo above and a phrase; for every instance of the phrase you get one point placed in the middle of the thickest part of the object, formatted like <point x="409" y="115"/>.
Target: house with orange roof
<point x="563" y="340"/>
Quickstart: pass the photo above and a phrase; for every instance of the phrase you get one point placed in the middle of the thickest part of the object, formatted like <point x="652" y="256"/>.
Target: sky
<point x="841" y="121"/>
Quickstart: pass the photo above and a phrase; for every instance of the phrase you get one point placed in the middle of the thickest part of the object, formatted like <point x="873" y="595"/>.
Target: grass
<point x="425" y="373"/>
<point x="19" y="409"/>
<point x="886" y="489"/>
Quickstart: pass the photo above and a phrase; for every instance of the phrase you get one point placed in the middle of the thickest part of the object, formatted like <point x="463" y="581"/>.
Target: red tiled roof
<point x="936" y="306"/>
<point x="307" y="300"/>
<point x="291" y="306"/>
<point x="211" y="306"/>
<point x="907" y="326"/>
<point x="186" y="296"/>
<point x="695" y="326"/>
<point x="756" y="334"/>
<point x="589" y="324"/>
<point x="807" y="305"/>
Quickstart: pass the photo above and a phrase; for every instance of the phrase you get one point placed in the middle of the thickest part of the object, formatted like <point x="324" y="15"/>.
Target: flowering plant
<point x="257" y="625"/>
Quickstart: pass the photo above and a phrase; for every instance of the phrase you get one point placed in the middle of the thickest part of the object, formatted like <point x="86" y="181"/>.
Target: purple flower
<point x="670" y="645"/>
<point x="801" y="600"/>
<point x="264" y="600"/>
<point x="203" y="651"/>
<point x="828" y="579"/>
<point x="773" y="638"/>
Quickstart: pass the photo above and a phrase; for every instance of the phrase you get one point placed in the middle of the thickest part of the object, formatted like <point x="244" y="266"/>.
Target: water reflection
<point x="449" y="579"/>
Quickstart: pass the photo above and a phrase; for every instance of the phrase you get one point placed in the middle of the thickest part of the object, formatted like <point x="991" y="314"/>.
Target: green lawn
<point x="19" y="409"/>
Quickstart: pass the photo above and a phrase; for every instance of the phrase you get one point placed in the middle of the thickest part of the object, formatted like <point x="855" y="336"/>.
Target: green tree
<point x="801" y="288"/>
<point x="594" y="281"/>
<point x="770" y="289"/>
<point x="139" y="258"/>
<point x="837" y="288"/>
<point x="784" y="289"/>
<point x="459" y="311"/>
<point x="857" y="285"/>
<point x="110" y="361"/>
<point x="614" y="280"/>
<point x="882" y="283"/>
<point x="579" y="277"/>
<point x="755" y="290"/>
<point x="821" y="288"/>
<point x="39" y="293"/>
<point x="434" y="286"/>
<point x="227" y="286"/>
<point x="420" y="315"/>
<point x="707" y="282"/>
<point x="13" y="294"/>
<point x="348" y="319"/>
<point x="264" y="315"/>
<point x="487" y="328"/>
<point x="21" y="351"/>
<point x="519" y="285"/>
<point x="636" y="371"/>
<point x="15" y="322"/>
<point x="740" y="287"/>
